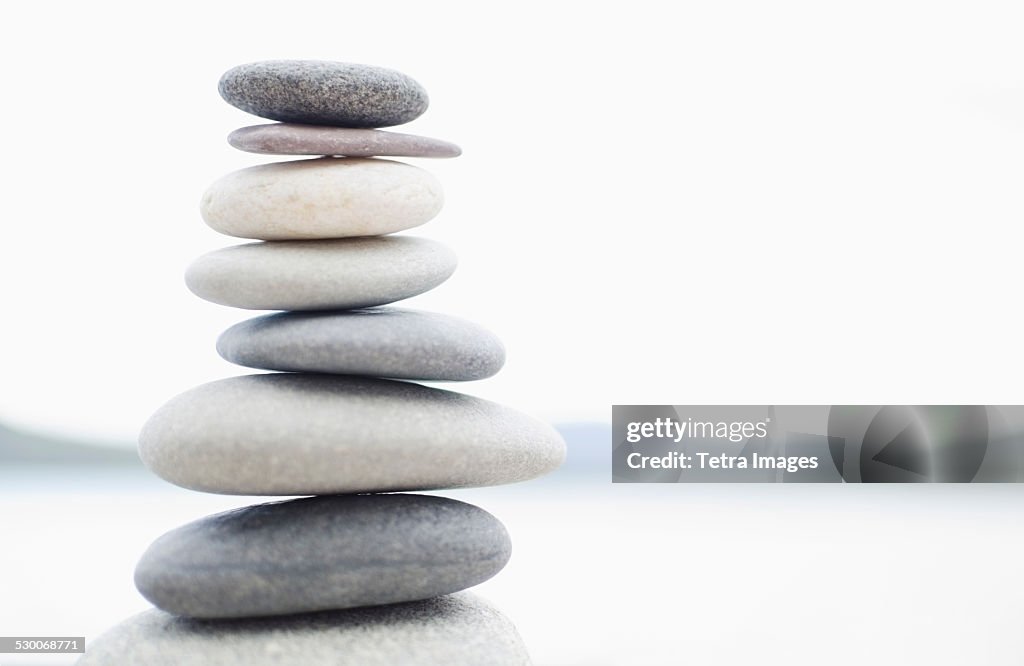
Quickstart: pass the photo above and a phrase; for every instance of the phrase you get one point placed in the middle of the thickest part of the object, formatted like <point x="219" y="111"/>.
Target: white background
<point x="713" y="202"/>
<point x="716" y="202"/>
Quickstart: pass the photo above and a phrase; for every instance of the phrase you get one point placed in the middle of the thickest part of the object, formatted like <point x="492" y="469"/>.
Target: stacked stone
<point x="331" y="420"/>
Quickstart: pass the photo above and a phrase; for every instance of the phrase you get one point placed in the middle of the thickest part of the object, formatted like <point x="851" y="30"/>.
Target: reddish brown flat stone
<point x="292" y="139"/>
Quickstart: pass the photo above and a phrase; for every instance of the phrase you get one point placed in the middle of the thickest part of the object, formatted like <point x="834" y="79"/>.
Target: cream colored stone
<point x="329" y="197"/>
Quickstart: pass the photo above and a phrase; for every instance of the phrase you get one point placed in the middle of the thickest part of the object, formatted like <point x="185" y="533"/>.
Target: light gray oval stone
<point x="455" y="630"/>
<point x="319" y="92"/>
<point x="380" y="342"/>
<point x="327" y="197"/>
<point x="322" y="553"/>
<point x="335" y="274"/>
<point x="292" y="139"/>
<point x="299" y="434"/>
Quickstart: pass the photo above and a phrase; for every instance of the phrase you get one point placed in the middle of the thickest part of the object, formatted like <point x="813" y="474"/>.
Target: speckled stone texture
<point x="322" y="553"/>
<point x="380" y="342"/>
<point x="321" y="275"/>
<point x="292" y="139"/>
<point x="455" y="630"/>
<point x="303" y="434"/>
<point x="328" y="197"/>
<point x="318" y="92"/>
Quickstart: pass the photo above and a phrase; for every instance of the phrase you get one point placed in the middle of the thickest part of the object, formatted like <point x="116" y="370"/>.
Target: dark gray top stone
<point x="322" y="553"/>
<point x="378" y="342"/>
<point x="317" y="92"/>
<point x="454" y="630"/>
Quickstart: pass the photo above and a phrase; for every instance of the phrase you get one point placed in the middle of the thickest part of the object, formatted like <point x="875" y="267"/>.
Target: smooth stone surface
<point x="298" y="434"/>
<point x="322" y="553"/>
<point x="328" y="197"/>
<point x="455" y="630"/>
<point x="318" y="92"/>
<point x="382" y="342"/>
<point x="320" y="275"/>
<point x="292" y="139"/>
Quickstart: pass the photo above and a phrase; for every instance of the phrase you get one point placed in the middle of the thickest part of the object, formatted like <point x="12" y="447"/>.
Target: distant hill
<point x="24" y="448"/>
<point x="589" y="448"/>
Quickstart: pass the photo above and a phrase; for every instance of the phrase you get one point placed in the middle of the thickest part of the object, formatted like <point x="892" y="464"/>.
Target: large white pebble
<point x="328" y="197"/>
<point x="298" y="434"/>
<point x="455" y="630"/>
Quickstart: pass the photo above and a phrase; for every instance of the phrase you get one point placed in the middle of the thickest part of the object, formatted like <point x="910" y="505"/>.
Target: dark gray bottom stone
<point x="322" y="553"/>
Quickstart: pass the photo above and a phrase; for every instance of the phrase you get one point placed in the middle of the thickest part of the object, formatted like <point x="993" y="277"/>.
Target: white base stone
<point x="455" y="630"/>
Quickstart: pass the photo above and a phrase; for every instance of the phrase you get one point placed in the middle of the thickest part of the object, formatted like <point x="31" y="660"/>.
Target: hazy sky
<point x="678" y="203"/>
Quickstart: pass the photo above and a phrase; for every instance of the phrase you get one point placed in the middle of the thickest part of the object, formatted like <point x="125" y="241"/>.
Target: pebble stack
<point x="336" y="419"/>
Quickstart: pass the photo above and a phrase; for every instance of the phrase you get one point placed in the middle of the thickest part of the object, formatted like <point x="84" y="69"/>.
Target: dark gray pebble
<point x="317" y="92"/>
<point x="322" y="553"/>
